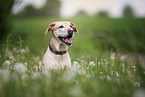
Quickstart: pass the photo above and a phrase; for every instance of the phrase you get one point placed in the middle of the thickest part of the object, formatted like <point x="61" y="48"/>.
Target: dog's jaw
<point x="57" y="44"/>
<point x="66" y="40"/>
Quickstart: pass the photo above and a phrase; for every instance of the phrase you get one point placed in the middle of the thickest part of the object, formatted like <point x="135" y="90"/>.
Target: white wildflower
<point x="123" y="68"/>
<point x="20" y="68"/>
<point x="133" y="67"/>
<point x="24" y="76"/>
<point x="26" y="64"/>
<point x="88" y="76"/>
<point x="112" y="72"/>
<point x="75" y="91"/>
<point x="45" y="73"/>
<point x="99" y="63"/>
<point x="22" y="51"/>
<point x="79" y="66"/>
<point x="12" y="61"/>
<point x="15" y="49"/>
<point x="139" y="93"/>
<point x="81" y="72"/>
<point x="108" y="77"/>
<point x="92" y="63"/>
<point x="76" y="65"/>
<point x="36" y="68"/>
<point x="123" y="57"/>
<point x="40" y="62"/>
<point x="129" y="73"/>
<point x="12" y="57"/>
<point x="105" y="60"/>
<point x="27" y="49"/>
<point x="36" y="58"/>
<point x="113" y="56"/>
<point x="123" y="65"/>
<point x="101" y="72"/>
<point x="92" y="72"/>
<point x="4" y="74"/>
<point x="117" y="74"/>
<point x="136" y="84"/>
<point x="69" y="76"/>
<point x="102" y="64"/>
<point x="82" y="61"/>
<point x="7" y="63"/>
<point x="35" y="75"/>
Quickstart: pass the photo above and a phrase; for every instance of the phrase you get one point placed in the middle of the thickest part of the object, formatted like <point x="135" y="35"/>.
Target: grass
<point x="88" y="77"/>
<point x="104" y="58"/>
<point x="100" y="34"/>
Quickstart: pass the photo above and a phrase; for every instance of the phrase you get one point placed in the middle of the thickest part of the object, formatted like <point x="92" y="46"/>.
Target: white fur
<point x="51" y="60"/>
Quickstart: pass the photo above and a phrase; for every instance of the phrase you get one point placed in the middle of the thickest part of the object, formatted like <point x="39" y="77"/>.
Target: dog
<point x="57" y="56"/>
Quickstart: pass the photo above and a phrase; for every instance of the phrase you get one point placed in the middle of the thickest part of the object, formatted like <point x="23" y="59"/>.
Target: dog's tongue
<point x="68" y="40"/>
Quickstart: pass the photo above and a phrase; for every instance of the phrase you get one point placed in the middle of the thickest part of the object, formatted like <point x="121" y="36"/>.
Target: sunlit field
<point x="107" y="59"/>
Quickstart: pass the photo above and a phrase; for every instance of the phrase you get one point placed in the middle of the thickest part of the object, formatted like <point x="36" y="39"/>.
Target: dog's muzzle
<point x="67" y="40"/>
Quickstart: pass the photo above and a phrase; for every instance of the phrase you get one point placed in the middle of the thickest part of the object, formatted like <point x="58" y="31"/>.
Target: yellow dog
<point x="57" y="55"/>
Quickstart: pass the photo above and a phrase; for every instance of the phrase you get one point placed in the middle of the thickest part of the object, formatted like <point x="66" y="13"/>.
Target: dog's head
<point x="63" y="31"/>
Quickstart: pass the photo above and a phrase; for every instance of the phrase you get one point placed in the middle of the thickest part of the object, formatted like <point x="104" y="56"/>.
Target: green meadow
<point x="95" y="34"/>
<point x="107" y="59"/>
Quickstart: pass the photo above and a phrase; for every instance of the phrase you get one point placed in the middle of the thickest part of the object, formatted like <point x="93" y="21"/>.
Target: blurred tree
<point x="51" y="8"/>
<point x="5" y="11"/>
<point x="128" y="11"/>
<point x="103" y="14"/>
<point x="28" y="11"/>
<point x="81" y="13"/>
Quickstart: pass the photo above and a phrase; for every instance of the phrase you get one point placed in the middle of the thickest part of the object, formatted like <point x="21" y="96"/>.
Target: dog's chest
<point x="53" y="61"/>
<point x="53" y="58"/>
<point x="59" y="59"/>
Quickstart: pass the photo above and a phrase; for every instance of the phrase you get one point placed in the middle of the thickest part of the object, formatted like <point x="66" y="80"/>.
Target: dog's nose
<point x="70" y="31"/>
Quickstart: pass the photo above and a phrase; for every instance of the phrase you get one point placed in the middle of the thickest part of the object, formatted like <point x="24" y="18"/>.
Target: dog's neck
<point x="57" y="45"/>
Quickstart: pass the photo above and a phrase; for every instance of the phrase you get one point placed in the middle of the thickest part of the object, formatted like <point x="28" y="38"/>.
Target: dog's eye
<point x="71" y="26"/>
<point x="61" y="27"/>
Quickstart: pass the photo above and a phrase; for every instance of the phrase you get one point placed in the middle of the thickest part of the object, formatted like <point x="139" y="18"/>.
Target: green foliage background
<point x="96" y="35"/>
<point x="107" y="55"/>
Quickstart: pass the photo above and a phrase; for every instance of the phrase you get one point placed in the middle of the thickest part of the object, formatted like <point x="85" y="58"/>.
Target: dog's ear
<point x="74" y="27"/>
<point x="50" y="28"/>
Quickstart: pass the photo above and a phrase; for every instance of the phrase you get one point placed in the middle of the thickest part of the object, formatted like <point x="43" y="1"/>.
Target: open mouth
<point x="67" y="40"/>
